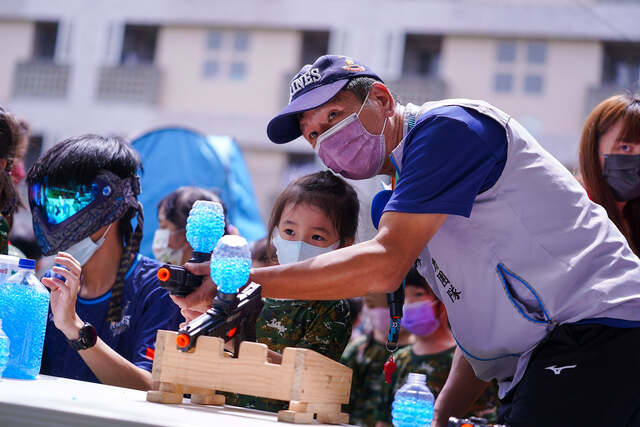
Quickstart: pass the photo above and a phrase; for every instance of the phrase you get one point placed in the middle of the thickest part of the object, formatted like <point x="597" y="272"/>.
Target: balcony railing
<point x="596" y="95"/>
<point x="40" y="79"/>
<point x="129" y="83"/>
<point x="418" y="90"/>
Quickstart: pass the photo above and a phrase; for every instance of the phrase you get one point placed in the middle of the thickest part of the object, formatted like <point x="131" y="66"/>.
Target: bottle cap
<point x="28" y="264"/>
<point x="415" y="377"/>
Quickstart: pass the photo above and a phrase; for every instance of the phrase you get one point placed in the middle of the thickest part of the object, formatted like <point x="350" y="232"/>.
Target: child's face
<point x="307" y="223"/>
<point x="416" y="294"/>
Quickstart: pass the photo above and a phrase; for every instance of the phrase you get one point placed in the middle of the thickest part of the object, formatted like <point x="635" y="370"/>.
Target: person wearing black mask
<point x="610" y="162"/>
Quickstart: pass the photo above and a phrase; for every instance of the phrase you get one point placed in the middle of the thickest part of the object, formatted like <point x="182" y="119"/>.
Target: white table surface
<point x="52" y="401"/>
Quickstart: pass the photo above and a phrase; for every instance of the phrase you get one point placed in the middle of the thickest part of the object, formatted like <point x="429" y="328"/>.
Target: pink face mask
<point x="419" y="318"/>
<point x="350" y="150"/>
<point x="377" y="318"/>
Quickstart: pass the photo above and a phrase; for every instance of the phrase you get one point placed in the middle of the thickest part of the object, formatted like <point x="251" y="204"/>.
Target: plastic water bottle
<point x="24" y="306"/>
<point x="230" y="264"/>
<point x="205" y="226"/>
<point x="413" y="403"/>
<point x="8" y="266"/>
<point x="4" y="349"/>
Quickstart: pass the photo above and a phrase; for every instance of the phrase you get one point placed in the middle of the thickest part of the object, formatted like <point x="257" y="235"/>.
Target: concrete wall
<point x="17" y="46"/>
<point x="271" y="57"/>
<point x="266" y="167"/>
<point x="556" y="115"/>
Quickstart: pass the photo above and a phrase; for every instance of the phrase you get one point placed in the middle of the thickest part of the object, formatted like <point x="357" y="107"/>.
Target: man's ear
<point x="380" y="94"/>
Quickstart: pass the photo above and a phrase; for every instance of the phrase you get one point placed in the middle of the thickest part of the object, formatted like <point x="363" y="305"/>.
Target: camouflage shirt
<point x="4" y="235"/>
<point x="436" y="368"/>
<point x="366" y="357"/>
<point x="322" y="326"/>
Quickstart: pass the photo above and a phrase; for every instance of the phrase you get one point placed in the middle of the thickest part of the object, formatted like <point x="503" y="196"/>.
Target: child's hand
<point x="199" y="300"/>
<point x="64" y="294"/>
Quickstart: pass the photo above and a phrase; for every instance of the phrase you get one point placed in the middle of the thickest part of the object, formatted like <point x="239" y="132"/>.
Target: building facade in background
<point x="122" y="67"/>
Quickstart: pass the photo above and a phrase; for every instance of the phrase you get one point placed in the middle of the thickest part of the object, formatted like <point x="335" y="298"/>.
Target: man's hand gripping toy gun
<point x="233" y="315"/>
<point x="205" y="226"/>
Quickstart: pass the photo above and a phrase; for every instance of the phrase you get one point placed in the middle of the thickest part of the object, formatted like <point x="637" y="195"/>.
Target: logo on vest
<point x="303" y="80"/>
<point x="452" y="292"/>
<point x="558" y="370"/>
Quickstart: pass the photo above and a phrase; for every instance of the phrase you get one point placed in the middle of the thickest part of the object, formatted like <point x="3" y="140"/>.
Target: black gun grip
<point x="178" y="280"/>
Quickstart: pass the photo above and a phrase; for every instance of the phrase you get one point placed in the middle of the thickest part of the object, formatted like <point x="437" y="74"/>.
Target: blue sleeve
<point x="159" y="313"/>
<point x="155" y="310"/>
<point x="448" y="160"/>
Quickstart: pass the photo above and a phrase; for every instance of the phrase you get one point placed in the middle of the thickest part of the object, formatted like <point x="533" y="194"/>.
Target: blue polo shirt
<point x="146" y="308"/>
<point x="451" y="155"/>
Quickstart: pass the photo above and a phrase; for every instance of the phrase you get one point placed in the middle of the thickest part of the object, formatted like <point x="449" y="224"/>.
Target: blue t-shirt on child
<point x="146" y="308"/>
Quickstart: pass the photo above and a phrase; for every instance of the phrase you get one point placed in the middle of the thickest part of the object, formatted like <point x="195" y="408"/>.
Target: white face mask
<point x="290" y="251"/>
<point x="85" y="248"/>
<point x="161" y="250"/>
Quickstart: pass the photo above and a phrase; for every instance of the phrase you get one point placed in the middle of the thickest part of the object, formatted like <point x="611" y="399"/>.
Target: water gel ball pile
<point x="205" y="225"/>
<point x="230" y="264"/>
<point x="24" y="304"/>
<point x="4" y="351"/>
<point x="408" y="412"/>
<point x="413" y="403"/>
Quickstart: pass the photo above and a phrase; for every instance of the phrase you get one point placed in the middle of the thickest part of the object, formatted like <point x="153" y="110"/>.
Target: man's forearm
<point x="112" y="369"/>
<point x="459" y="392"/>
<point x="344" y="273"/>
<point x="375" y="266"/>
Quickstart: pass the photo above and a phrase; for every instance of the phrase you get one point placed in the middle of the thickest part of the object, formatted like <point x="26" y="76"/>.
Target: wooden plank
<point x="295" y="417"/>
<point x="303" y="375"/>
<point x="333" y="418"/>
<point x="208" y="399"/>
<point x="208" y="368"/>
<point x="318" y="378"/>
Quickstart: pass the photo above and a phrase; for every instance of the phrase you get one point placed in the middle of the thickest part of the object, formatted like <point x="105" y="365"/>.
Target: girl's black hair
<point x="325" y="191"/>
<point x="9" y="138"/>
<point x="177" y="204"/>
<point x="413" y="278"/>
<point x="259" y="252"/>
<point x="81" y="159"/>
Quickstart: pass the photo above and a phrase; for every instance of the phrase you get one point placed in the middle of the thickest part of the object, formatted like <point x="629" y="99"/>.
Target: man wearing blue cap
<point x="541" y="289"/>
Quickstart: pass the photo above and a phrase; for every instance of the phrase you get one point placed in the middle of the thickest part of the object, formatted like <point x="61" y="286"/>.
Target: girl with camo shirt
<point x="316" y="213"/>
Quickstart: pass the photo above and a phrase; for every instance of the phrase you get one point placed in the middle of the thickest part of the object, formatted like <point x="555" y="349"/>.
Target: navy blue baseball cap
<point x="314" y="85"/>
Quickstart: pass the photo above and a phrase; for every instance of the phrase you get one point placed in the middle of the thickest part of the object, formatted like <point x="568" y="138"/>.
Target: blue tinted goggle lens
<point x="61" y="203"/>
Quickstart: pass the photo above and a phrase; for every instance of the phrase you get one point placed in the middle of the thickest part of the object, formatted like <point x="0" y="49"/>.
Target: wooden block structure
<point x="314" y="385"/>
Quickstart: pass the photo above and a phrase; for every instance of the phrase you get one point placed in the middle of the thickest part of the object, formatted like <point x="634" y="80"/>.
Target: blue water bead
<point x="205" y="225"/>
<point x="411" y="412"/>
<point x="24" y="304"/>
<point x="230" y="264"/>
<point x="4" y="351"/>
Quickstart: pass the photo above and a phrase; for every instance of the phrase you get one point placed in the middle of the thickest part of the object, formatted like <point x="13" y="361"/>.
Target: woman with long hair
<point x="610" y="162"/>
<point x="9" y="199"/>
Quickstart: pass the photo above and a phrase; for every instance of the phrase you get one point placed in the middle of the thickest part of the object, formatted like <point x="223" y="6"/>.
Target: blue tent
<point x="173" y="157"/>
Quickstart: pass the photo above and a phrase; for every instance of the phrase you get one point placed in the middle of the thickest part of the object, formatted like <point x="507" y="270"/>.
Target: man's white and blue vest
<point x="535" y="252"/>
